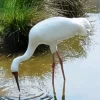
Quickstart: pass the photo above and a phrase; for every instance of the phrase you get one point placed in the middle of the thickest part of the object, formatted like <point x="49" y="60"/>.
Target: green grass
<point x="24" y="11"/>
<point x="16" y="19"/>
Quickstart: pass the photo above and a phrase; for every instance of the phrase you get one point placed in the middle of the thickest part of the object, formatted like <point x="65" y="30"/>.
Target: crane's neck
<point x="29" y="52"/>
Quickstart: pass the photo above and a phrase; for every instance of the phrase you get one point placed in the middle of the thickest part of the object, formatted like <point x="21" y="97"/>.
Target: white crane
<point x="51" y="31"/>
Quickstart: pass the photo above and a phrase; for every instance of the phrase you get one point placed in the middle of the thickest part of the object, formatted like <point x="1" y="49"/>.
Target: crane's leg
<point x="61" y="63"/>
<point x="53" y="68"/>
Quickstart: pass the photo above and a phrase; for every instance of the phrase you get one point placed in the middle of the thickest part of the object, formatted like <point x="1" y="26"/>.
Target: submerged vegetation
<point x="18" y="16"/>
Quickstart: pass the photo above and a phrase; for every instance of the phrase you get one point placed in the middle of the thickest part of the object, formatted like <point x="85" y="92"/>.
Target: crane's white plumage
<point x="51" y="31"/>
<point x="84" y="22"/>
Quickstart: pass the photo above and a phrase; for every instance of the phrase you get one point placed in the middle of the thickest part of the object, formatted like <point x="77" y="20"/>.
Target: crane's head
<point x="84" y="22"/>
<point x="14" y="70"/>
<point x="84" y="25"/>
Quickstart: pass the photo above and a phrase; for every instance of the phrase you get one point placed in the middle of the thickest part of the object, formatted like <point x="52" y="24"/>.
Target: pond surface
<point x="81" y="66"/>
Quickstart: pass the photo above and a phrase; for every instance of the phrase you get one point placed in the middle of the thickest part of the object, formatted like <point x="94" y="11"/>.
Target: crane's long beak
<point x="16" y="78"/>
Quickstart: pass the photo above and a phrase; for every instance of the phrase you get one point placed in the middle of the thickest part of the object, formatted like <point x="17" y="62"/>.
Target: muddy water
<point x="81" y="65"/>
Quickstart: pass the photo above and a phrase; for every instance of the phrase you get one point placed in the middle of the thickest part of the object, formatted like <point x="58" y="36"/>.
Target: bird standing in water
<point x="51" y="31"/>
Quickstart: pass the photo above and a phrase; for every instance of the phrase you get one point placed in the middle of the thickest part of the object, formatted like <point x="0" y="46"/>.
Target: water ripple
<point x="26" y="93"/>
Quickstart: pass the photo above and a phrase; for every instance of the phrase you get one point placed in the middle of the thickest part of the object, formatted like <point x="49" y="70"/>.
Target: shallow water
<point x="81" y="66"/>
